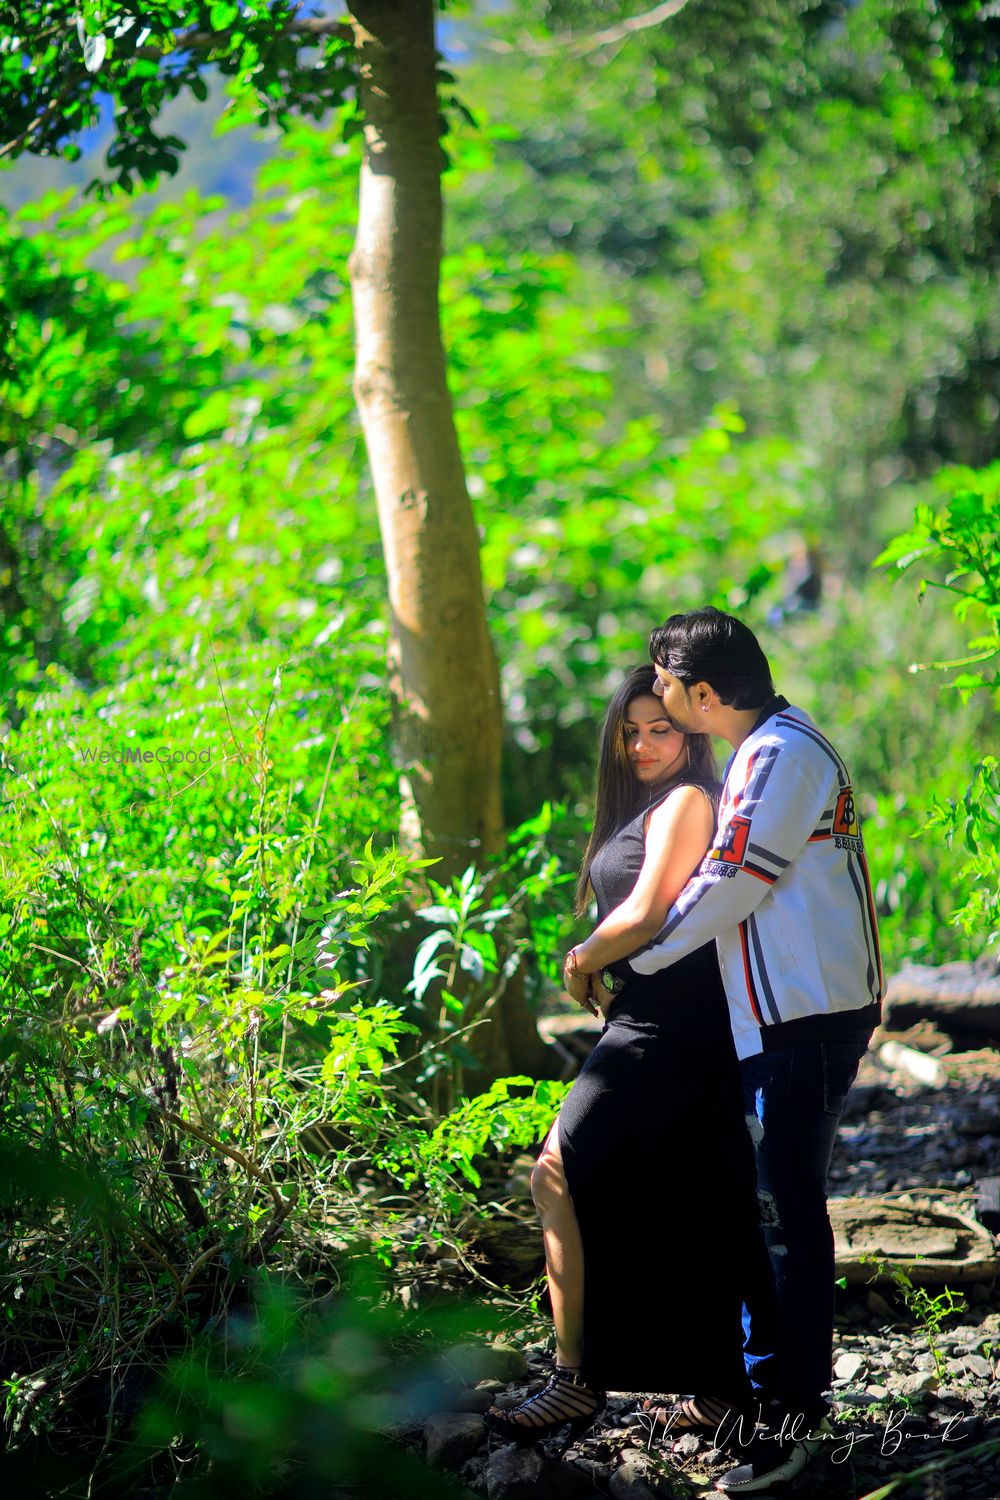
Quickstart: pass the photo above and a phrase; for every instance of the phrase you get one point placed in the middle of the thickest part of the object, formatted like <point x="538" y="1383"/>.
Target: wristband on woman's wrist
<point x="573" y="965"/>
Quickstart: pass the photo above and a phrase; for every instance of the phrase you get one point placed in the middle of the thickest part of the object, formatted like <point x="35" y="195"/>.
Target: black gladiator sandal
<point x="568" y="1397"/>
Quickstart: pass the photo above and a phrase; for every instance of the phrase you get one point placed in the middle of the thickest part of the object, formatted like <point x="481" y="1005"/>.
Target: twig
<point x="579" y="46"/>
<point x="232" y="1152"/>
<point x="52" y="108"/>
<point x="197" y="40"/>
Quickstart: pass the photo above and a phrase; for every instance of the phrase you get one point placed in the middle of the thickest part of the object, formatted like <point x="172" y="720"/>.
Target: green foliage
<point x="186" y="1100"/>
<point x="929" y="1311"/>
<point x="58" y="59"/>
<point x="792" y="203"/>
<point x="486" y="924"/>
<point x="287" y="1392"/>
<point x="962" y="540"/>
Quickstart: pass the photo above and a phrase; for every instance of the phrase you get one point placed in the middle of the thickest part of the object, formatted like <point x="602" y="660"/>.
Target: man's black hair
<point x="706" y="645"/>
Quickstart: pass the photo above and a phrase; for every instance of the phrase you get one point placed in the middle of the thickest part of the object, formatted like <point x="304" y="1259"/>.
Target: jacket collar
<point x="775" y="705"/>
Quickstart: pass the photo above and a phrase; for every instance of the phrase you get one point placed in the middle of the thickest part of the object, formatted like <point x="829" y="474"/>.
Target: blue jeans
<point x="793" y="1098"/>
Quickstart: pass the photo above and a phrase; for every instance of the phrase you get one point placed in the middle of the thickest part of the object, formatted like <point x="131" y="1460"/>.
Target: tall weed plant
<point x="955" y="548"/>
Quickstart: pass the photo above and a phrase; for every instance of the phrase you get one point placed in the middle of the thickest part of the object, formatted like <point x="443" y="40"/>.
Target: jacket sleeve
<point x="785" y="794"/>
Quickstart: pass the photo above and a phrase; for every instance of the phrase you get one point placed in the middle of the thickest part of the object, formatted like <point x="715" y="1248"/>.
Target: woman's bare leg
<point x="563" y="1250"/>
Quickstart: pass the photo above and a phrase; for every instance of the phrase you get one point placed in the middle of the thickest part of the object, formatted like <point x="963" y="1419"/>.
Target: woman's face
<point x="655" y="749"/>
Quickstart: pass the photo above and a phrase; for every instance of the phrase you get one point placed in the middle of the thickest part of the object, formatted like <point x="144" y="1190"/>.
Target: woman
<point x="645" y="1185"/>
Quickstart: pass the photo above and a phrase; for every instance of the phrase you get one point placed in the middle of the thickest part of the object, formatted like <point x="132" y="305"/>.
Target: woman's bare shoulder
<point x="688" y="803"/>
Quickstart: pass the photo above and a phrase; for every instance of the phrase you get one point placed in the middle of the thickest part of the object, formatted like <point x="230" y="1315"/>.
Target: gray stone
<point x="574" y="1479"/>
<point x="686" y="1444"/>
<point x="920" y="1384"/>
<point x="853" y="1397"/>
<point x="878" y="1306"/>
<point x="596" y="1477"/>
<point x="467" y="1399"/>
<point x="848" y="1365"/>
<point x="968" y="1430"/>
<point x="474" y="1363"/>
<point x="513" y="1473"/>
<point x="979" y="1366"/>
<point x="507" y="1363"/>
<point x="631" y="1481"/>
<point x="452" y="1437"/>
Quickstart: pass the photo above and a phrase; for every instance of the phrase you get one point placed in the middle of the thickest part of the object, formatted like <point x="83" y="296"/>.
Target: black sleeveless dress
<point x="660" y="1168"/>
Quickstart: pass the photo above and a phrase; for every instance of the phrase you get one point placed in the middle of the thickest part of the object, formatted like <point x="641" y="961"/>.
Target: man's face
<point x="678" y="709"/>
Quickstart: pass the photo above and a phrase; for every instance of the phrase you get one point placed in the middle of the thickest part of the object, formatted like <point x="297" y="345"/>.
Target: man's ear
<point x="702" y="696"/>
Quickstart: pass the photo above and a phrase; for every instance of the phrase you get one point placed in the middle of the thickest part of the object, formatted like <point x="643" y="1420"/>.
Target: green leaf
<point x="209" y="417"/>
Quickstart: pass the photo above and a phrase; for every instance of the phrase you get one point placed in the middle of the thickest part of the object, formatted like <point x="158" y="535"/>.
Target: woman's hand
<point x="577" y="985"/>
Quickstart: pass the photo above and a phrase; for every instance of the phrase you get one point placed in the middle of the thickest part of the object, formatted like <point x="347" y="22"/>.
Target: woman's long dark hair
<point x="619" y="795"/>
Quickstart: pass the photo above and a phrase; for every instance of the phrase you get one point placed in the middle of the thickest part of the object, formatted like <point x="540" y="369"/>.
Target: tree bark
<point x="442" y="674"/>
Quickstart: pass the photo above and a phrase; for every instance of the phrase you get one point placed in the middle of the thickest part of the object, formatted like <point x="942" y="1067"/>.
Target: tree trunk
<point x="442" y="674"/>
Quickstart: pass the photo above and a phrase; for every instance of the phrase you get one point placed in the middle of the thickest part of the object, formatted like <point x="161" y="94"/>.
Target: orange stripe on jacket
<point x="751" y="992"/>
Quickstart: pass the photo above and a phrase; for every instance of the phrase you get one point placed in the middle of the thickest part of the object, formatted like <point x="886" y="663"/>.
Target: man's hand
<point x="601" y="994"/>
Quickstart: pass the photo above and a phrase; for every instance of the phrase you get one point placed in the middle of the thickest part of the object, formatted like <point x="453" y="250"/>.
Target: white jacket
<point x="786" y="893"/>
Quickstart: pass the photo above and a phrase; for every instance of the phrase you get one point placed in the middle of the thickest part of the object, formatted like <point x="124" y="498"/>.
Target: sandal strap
<point x="693" y="1413"/>
<point x="566" y="1396"/>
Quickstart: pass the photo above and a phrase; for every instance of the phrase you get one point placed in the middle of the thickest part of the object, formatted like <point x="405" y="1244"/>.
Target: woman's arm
<point x="677" y="839"/>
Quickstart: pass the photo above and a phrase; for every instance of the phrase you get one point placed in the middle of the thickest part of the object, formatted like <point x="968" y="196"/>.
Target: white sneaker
<point x="774" y="1458"/>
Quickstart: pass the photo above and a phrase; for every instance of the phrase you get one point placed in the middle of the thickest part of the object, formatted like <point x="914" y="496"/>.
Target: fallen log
<point x="931" y="1239"/>
<point x="958" y="998"/>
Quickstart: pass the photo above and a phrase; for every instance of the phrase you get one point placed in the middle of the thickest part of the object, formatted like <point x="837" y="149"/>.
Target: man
<point x="785" y="892"/>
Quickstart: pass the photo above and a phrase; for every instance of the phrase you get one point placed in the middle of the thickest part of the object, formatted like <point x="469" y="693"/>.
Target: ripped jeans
<point x="793" y="1098"/>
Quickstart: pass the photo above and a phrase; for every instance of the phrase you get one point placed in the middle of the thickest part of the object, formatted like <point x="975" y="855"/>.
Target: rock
<point x="686" y="1445"/>
<point x="473" y="1400"/>
<point x="632" y="1480"/>
<point x="965" y="1430"/>
<point x="878" y="1306"/>
<point x="845" y="1399"/>
<point x="473" y="1364"/>
<point x="513" y="1473"/>
<point x="452" y="1437"/>
<point x="575" y="1479"/>
<point x="597" y="1475"/>
<point x="979" y="1366"/>
<point x="921" y="1384"/>
<point x="848" y="1365"/>
<point x="511" y="1242"/>
<point x="508" y="1363"/>
<point x="916" y="1064"/>
<point x="471" y="1471"/>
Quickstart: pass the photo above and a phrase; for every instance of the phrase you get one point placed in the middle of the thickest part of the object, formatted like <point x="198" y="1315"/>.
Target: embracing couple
<point x="682" y="1190"/>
